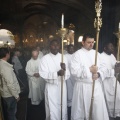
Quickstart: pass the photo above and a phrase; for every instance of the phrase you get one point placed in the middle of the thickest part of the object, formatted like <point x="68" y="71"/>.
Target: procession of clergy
<point x="79" y="72"/>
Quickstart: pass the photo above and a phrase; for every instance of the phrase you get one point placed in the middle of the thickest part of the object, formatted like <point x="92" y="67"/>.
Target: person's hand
<point x="18" y="99"/>
<point x="63" y="66"/>
<point x="117" y="68"/>
<point x="36" y="75"/>
<point x="93" y="69"/>
<point x="61" y="73"/>
<point x="95" y="76"/>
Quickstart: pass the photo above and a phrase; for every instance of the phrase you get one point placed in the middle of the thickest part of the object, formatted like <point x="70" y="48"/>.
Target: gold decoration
<point x="71" y="26"/>
<point x="98" y="20"/>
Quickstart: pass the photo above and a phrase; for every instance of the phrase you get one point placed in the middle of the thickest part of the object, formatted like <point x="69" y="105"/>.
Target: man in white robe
<point x="36" y="83"/>
<point x="84" y="71"/>
<point x="70" y="82"/>
<point x="109" y="82"/>
<point x="51" y="69"/>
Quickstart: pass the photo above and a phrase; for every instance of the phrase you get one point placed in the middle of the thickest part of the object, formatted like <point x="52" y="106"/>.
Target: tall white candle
<point x="62" y="21"/>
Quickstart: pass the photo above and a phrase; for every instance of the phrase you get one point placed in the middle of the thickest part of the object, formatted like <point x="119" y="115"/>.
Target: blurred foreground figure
<point x="9" y="87"/>
<point x="19" y="67"/>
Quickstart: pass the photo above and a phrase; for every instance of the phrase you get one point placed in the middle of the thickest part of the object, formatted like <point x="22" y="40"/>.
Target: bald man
<point x="36" y="83"/>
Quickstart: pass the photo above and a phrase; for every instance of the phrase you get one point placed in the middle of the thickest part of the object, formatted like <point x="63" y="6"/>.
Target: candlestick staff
<point x="62" y="32"/>
<point x="97" y="25"/>
<point x="118" y="59"/>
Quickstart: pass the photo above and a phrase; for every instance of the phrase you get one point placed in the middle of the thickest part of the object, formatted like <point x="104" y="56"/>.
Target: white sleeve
<point x="78" y="69"/>
<point x="103" y="70"/>
<point x="46" y="74"/>
<point x="67" y="72"/>
<point x="29" y="69"/>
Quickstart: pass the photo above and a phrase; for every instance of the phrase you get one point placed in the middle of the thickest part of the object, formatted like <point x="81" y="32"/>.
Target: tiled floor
<point x="35" y="112"/>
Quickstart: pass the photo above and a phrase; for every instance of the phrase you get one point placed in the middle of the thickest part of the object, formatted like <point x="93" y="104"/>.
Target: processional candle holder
<point x="62" y="33"/>
<point x="97" y="25"/>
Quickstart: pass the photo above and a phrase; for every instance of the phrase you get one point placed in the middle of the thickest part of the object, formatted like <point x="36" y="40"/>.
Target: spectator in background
<point x="40" y="55"/>
<point x="19" y="67"/>
<point x="16" y="62"/>
<point x="27" y="54"/>
<point x="45" y="50"/>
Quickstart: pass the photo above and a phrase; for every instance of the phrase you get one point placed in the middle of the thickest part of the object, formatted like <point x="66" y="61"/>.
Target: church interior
<point x="36" y="22"/>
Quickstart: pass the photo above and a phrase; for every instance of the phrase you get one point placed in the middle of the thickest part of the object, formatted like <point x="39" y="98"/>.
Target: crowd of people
<point x="36" y="75"/>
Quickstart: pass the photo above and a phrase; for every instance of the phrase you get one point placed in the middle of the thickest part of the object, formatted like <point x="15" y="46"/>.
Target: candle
<point x="62" y="21"/>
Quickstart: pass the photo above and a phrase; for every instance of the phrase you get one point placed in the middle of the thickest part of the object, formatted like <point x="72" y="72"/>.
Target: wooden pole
<point x="93" y="86"/>
<point x="62" y="77"/>
<point x="62" y="32"/>
<point x="118" y="59"/>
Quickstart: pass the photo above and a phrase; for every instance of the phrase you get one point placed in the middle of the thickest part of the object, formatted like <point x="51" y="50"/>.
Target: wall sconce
<point x="9" y="43"/>
<point x="45" y="22"/>
<point x="65" y="41"/>
<point x="26" y="40"/>
<point x="41" y="40"/>
<point x="1" y="42"/>
<point x="51" y="36"/>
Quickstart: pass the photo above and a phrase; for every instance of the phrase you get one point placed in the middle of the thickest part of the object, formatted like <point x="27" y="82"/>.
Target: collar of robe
<point x="85" y="49"/>
<point x="54" y="55"/>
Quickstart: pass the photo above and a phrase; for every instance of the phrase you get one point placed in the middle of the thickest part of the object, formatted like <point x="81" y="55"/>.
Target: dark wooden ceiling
<point x="23" y="7"/>
<point x="15" y="13"/>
